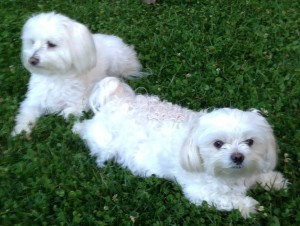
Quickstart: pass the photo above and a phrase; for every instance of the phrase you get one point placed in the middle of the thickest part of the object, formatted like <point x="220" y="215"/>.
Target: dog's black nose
<point x="33" y="61"/>
<point x="237" y="158"/>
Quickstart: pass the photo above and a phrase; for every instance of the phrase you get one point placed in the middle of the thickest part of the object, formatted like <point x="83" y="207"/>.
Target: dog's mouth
<point x="37" y="65"/>
<point x="237" y="167"/>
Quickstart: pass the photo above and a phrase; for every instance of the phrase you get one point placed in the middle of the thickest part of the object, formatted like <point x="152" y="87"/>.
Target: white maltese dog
<point x="65" y="61"/>
<point x="215" y="157"/>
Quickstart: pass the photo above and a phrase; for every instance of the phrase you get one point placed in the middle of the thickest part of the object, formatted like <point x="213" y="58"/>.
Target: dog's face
<point x="230" y="142"/>
<point x="55" y="44"/>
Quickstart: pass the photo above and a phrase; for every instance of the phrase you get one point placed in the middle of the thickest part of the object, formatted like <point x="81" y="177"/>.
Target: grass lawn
<point x="199" y="54"/>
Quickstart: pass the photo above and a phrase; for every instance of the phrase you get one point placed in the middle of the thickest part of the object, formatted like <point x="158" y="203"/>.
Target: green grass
<point x="201" y="54"/>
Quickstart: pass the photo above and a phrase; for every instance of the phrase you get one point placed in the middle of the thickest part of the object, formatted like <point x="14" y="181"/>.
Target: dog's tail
<point x="107" y="89"/>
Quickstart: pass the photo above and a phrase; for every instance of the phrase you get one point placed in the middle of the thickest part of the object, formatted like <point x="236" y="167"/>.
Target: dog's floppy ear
<point x="272" y="151"/>
<point x="82" y="47"/>
<point x="190" y="157"/>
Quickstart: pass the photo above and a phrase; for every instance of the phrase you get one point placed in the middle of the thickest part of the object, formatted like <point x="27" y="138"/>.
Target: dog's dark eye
<point x="218" y="144"/>
<point x="249" y="142"/>
<point x="51" y="45"/>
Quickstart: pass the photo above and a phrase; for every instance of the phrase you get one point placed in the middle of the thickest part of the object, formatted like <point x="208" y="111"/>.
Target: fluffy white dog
<point x="65" y="61"/>
<point x="215" y="156"/>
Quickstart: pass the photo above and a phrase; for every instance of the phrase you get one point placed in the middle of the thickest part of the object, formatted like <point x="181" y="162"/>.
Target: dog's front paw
<point x="19" y="128"/>
<point x="67" y="112"/>
<point x="77" y="127"/>
<point x="273" y="180"/>
<point x="247" y="206"/>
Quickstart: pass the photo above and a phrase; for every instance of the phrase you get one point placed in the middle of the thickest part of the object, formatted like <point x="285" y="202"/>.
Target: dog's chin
<point x="235" y="171"/>
<point x="36" y="69"/>
<point x="40" y="70"/>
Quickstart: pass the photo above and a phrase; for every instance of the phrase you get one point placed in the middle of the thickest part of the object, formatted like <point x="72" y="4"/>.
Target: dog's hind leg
<point x="106" y="90"/>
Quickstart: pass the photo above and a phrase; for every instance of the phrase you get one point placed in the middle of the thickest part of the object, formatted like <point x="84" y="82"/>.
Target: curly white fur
<point x="65" y="61"/>
<point x="215" y="156"/>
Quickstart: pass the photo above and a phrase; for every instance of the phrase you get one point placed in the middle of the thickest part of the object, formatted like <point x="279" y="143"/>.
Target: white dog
<point x="65" y="61"/>
<point x="216" y="157"/>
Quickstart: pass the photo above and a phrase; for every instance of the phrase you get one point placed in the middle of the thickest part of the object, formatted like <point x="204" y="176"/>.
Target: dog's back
<point x="130" y="126"/>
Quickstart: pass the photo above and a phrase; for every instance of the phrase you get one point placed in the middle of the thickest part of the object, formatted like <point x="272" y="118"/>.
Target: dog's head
<point x="230" y="142"/>
<point x="55" y="44"/>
